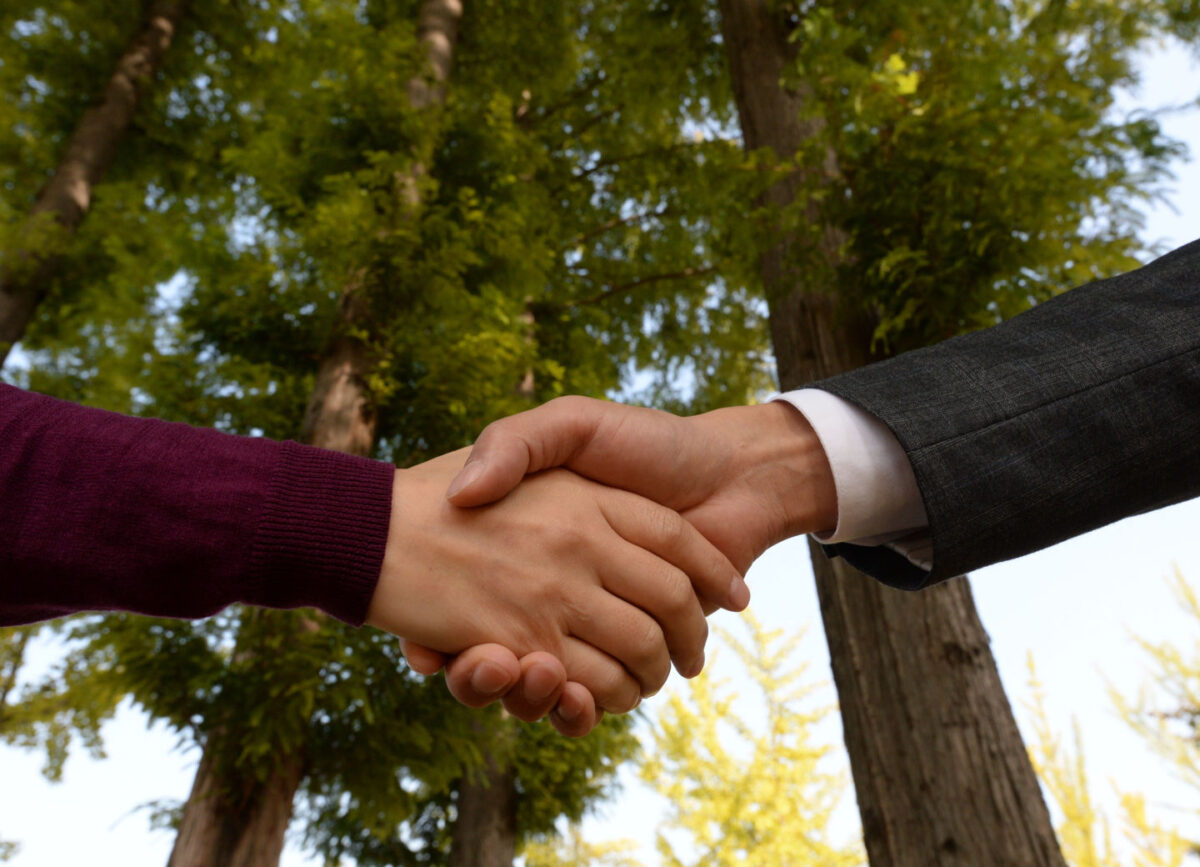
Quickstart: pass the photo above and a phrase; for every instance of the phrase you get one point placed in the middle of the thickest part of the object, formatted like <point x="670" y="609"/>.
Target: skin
<point x="586" y="582"/>
<point x="745" y="477"/>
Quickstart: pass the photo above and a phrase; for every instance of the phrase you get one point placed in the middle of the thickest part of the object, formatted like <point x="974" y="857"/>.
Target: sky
<point x="1075" y="607"/>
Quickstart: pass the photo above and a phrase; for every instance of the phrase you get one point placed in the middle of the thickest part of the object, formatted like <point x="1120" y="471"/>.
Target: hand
<point x="746" y="477"/>
<point x="604" y="580"/>
<point x="488" y="672"/>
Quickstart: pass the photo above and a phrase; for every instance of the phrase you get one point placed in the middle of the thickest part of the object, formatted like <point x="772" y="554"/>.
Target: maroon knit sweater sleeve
<point x="100" y="511"/>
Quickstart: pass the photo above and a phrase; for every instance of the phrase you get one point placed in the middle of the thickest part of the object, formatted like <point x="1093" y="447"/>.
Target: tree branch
<point x="613" y="224"/>
<point x="621" y="288"/>
<point x="639" y="155"/>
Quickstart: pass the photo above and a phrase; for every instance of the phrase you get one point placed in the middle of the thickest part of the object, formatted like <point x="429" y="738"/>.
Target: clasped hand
<point x="574" y="591"/>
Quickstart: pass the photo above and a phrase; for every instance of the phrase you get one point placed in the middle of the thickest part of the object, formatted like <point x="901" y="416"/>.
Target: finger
<point x="663" y="532"/>
<point x="610" y="684"/>
<point x="626" y="634"/>
<point x="512" y="447"/>
<point x="482" y="674"/>
<point x="576" y="714"/>
<point x="663" y="592"/>
<point x="542" y="683"/>
<point x="421" y="659"/>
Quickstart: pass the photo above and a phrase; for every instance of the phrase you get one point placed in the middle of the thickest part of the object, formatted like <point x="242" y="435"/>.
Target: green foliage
<point x="577" y="209"/>
<point x="269" y="172"/>
<point x="39" y="715"/>
<point x="982" y="163"/>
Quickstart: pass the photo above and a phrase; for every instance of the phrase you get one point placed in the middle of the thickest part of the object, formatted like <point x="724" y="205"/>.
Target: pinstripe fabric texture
<point x="1079" y="412"/>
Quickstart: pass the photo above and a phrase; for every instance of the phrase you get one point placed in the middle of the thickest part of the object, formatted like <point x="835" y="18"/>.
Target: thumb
<point x="421" y="659"/>
<point x="513" y="447"/>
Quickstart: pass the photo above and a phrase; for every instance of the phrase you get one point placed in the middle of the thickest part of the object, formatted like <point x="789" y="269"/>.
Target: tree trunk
<point x="340" y="416"/>
<point x="92" y="147"/>
<point x="941" y="774"/>
<point x="485" y="829"/>
<point x="341" y="411"/>
<point x="221" y="828"/>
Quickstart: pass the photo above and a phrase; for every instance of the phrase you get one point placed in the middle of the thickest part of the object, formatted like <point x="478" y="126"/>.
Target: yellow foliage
<point x="894" y="73"/>
<point x="1085" y="833"/>
<point x="742" y="795"/>
<point x="571" y="850"/>
<point x="1167" y="714"/>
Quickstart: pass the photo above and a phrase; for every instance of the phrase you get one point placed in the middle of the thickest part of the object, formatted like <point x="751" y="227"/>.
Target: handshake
<point x="563" y="563"/>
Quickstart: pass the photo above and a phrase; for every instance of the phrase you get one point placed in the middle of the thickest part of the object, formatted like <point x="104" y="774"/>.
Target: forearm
<point x="1082" y="411"/>
<point x="103" y="512"/>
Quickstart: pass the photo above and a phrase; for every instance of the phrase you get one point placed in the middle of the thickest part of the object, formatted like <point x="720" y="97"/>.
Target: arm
<point x="1079" y="412"/>
<point x="108" y="512"/>
<point x="105" y="512"/>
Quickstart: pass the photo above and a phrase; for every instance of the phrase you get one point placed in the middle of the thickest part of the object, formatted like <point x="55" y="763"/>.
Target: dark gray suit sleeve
<point x="1079" y="412"/>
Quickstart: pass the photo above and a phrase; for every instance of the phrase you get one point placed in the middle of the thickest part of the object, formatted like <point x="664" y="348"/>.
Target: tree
<point x="935" y="170"/>
<point x="428" y="264"/>
<point x="572" y="850"/>
<point x="741" y="793"/>
<point x="1085" y="832"/>
<point x="30" y="259"/>
<point x="577" y="211"/>
<point x="1166" y="712"/>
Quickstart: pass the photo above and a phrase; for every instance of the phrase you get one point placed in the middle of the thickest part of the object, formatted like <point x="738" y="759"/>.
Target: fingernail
<point x="465" y="476"/>
<point x="489" y="679"/>
<point x="567" y="713"/>
<point x="538" y="689"/>
<point x="739" y="594"/>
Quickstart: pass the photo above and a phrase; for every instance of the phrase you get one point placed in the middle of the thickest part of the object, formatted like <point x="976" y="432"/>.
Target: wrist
<point x="781" y="458"/>
<point x="387" y="609"/>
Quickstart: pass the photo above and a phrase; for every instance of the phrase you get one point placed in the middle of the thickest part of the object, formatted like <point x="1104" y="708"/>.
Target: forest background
<point x="1107" y="582"/>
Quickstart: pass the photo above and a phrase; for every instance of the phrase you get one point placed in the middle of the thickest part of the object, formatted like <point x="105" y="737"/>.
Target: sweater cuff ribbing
<point x="322" y="532"/>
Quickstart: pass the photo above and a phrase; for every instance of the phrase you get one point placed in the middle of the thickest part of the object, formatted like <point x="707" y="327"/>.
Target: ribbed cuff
<point x="322" y="532"/>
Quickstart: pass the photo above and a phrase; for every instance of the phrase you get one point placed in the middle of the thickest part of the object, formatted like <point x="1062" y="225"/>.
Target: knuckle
<point x="657" y="678"/>
<point x="566" y="541"/>
<point x="679" y="595"/>
<point x="621" y="695"/>
<point x="668" y="527"/>
<point x="650" y="658"/>
<point x="569" y="403"/>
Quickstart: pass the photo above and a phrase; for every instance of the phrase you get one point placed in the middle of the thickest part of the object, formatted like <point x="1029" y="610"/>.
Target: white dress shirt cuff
<point x="878" y="499"/>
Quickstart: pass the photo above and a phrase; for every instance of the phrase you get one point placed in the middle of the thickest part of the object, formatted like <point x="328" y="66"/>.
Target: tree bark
<point x="485" y="828"/>
<point x="90" y="151"/>
<point x="941" y="774"/>
<point x="246" y="828"/>
<point x="341" y="410"/>
<point x="340" y="416"/>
